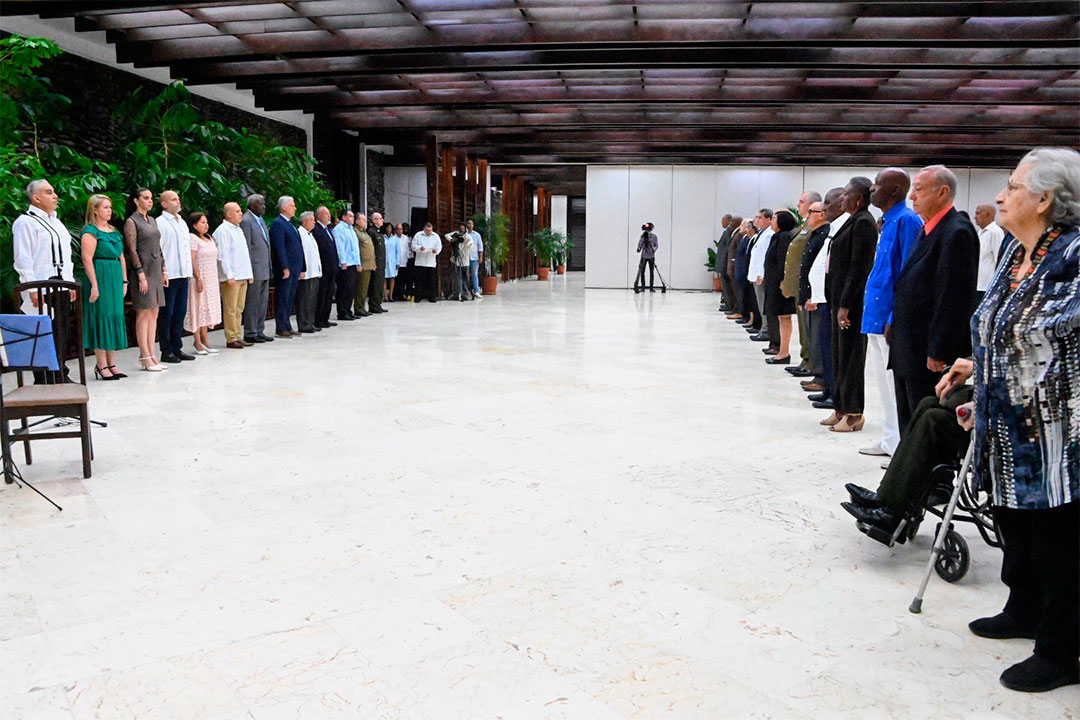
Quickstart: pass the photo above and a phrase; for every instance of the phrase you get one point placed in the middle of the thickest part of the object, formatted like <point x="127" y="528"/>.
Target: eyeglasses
<point x="811" y="212"/>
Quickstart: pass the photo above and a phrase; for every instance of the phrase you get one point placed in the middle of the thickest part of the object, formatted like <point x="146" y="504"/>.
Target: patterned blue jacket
<point x="1027" y="380"/>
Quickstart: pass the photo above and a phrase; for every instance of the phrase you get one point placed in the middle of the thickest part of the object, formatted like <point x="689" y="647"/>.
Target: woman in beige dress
<point x="142" y="239"/>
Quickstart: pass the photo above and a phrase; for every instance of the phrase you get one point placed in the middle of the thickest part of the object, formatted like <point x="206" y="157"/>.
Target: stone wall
<point x="376" y="182"/>
<point x="96" y="90"/>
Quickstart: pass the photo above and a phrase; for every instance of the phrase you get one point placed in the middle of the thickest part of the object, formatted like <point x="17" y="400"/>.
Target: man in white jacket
<point x="427" y="246"/>
<point x="755" y="273"/>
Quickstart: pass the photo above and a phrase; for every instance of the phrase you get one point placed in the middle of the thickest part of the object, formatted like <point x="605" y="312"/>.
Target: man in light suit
<point x="288" y="265"/>
<point x="258" y="290"/>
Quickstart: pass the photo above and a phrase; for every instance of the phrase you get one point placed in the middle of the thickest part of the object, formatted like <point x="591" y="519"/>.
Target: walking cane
<point x="946" y="520"/>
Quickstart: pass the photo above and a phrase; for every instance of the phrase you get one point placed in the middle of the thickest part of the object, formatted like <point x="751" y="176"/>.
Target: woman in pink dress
<point x="204" y="295"/>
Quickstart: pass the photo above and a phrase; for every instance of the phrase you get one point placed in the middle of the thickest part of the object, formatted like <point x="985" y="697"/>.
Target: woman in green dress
<point x="104" y="286"/>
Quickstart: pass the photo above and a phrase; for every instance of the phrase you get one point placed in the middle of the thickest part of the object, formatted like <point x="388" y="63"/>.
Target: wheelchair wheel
<point x="954" y="560"/>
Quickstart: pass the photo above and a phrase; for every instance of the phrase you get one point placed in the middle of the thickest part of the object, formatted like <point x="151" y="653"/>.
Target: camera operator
<point x="461" y="246"/>
<point x="647" y="245"/>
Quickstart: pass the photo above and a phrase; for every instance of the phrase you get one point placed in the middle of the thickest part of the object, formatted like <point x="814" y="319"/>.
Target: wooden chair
<point x="51" y="396"/>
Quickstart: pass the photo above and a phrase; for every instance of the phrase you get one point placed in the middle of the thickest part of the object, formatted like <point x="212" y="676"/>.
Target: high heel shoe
<point x="151" y="367"/>
<point x="832" y="420"/>
<point x="849" y="425"/>
<point x="116" y="374"/>
<point x="102" y="376"/>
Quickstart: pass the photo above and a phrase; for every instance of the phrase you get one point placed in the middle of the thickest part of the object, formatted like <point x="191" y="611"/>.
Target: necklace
<point x="1037" y="255"/>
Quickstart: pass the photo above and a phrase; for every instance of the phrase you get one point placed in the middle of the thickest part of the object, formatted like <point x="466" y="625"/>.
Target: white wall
<point x="558" y="213"/>
<point x="92" y="46"/>
<point x="686" y="204"/>
<point x="405" y="188"/>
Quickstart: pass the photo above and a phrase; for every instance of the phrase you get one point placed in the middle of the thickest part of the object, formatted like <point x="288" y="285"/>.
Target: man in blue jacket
<point x="900" y="230"/>
<point x="289" y="267"/>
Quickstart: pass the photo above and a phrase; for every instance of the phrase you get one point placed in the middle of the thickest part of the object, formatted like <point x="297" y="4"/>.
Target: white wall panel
<point x="984" y="187"/>
<point x="607" y="212"/>
<point x="558" y="213"/>
<point x="404" y="189"/>
<point x="693" y="226"/>
<point x="650" y="201"/>
<point x="736" y="192"/>
<point x="779" y="187"/>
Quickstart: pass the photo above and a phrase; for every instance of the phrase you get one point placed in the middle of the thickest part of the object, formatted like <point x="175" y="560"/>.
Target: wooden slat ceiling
<point x="535" y="82"/>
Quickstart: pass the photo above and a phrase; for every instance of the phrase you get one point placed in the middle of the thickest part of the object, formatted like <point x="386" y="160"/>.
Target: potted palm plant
<point x="713" y="263"/>
<point x="545" y="244"/>
<point x="493" y="231"/>
<point x="561" y="253"/>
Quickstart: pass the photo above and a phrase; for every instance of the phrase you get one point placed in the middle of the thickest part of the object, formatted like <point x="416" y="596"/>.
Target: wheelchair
<point x="972" y="505"/>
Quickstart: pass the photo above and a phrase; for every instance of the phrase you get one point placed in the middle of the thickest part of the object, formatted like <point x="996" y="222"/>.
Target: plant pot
<point x="488" y="284"/>
<point x="560" y="270"/>
<point x="716" y="284"/>
<point x="543" y="272"/>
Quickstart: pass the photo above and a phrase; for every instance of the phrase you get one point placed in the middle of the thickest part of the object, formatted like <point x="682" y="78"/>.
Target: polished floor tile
<point x="551" y="503"/>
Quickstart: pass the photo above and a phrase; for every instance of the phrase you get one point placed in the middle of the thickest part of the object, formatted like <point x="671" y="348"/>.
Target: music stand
<point x="26" y="343"/>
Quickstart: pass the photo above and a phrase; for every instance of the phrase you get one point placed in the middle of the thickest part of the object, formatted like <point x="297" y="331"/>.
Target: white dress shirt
<point x="404" y="250"/>
<point x="821" y="263"/>
<point x="312" y="261"/>
<point x="431" y="242"/>
<point x="990" y="238"/>
<point x="233" y="259"/>
<point x="756" y="268"/>
<point x="175" y="245"/>
<point x="42" y="250"/>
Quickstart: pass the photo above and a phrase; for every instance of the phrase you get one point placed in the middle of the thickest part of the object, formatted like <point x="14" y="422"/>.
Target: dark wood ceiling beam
<point x="1020" y="33"/>
<point x="487" y="60"/>
<point x="479" y="100"/>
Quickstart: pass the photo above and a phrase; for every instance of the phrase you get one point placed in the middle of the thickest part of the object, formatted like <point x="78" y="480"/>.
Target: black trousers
<point x="325" y="300"/>
<point x="170" y="325"/>
<point x="749" y="303"/>
<point x="909" y="393"/>
<point x="639" y="281"/>
<point x="62" y="314"/>
<point x="849" y="365"/>
<point x="1041" y="566"/>
<point x="824" y="314"/>
<point x="376" y="289"/>
<point x="346" y="290"/>
<point x="426" y="281"/>
<point x="935" y="439"/>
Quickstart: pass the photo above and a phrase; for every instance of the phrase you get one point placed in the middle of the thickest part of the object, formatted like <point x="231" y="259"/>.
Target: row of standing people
<point x="922" y="304"/>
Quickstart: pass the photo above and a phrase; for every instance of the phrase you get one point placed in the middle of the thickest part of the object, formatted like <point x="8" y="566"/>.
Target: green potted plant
<point x="493" y="231"/>
<point x="545" y="244"/>
<point x="561" y="253"/>
<point x="714" y="267"/>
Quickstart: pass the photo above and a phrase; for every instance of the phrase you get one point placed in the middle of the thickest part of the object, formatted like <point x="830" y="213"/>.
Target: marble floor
<point x="552" y="503"/>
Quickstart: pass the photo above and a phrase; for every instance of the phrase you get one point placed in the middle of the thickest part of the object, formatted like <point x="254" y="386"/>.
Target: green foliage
<point x="494" y="231"/>
<point x="711" y="262"/>
<point x="167" y="146"/>
<point x="562" y="249"/>
<point x="548" y="245"/>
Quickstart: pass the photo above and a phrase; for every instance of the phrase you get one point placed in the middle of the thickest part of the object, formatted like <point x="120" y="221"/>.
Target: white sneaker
<point x="874" y="449"/>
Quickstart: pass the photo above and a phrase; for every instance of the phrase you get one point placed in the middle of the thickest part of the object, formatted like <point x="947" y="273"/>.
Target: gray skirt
<point x="154" y="297"/>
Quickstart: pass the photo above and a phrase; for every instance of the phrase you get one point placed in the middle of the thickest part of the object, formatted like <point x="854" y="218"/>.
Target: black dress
<point x="775" y="257"/>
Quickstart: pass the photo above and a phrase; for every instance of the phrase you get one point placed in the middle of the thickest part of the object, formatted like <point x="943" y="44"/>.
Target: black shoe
<point x="1037" y="674"/>
<point x="384" y="310"/>
<point x="742" y="321"/>
<point x="760" y="337"/>
<point x="773" y="351"/>
<point x="252" y="339"/>
<point x="1001" y="627"/>
<point x="802" y="372"/>
<point x="265" y="338"/>
<point x="329" y="324"/>
<point x="863" y="497"/>
<point x="432" y="300"/>
<point x="880" y="517"/>
<point x="170" y="358"/>
<point x="323" y="326"/>
<point x="184" y="356"/>
<point x="825" y="405"/>
<point x="819" y="397"/>
<point x="778" y="361"/>
<point x="345" y="318"/>
<point x="363" y="314"/>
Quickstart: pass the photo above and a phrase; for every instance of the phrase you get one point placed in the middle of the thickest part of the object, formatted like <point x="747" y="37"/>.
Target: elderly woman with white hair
<point x="1026" y="419"/>
<point x="307" y="292"/>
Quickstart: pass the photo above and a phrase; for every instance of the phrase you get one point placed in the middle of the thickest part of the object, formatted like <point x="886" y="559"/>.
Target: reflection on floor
<point x="553" y="503"/>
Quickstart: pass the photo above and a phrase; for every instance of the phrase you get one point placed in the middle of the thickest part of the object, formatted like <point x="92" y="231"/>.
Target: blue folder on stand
<point x="26" y="341"/>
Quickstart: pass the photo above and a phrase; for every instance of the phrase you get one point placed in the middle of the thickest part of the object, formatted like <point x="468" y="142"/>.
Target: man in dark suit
<point x="934" y="294"/>
<point x="722" y="245"/>
<point x="328" y="256"/>
<point x="289" y="266"/>
<point x="257" y="299"/>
